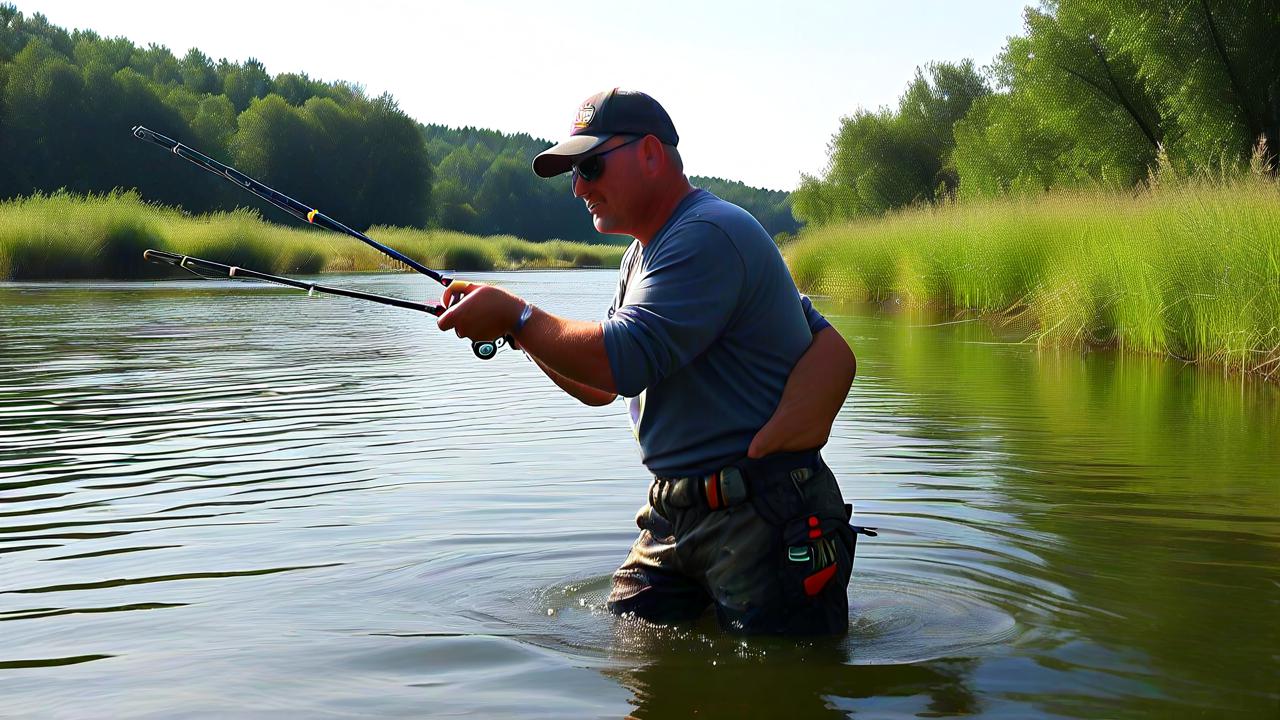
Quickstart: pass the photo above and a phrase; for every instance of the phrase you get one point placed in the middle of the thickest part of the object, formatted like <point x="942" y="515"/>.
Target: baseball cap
<point x="603" y="115"/>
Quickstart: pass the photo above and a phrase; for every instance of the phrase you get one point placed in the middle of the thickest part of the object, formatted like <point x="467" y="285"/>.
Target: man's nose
<point x="579" y="185"/>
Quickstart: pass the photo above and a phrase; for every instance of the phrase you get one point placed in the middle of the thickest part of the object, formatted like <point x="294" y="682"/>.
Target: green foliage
<point x="1215" y="69"/>
<point x="1004" y="146"/>
<point x="62" y="236"/>
<point x="485" y="185"/>
<point x="65" y="235"/>
<point x="1077" y="112"/>
<point x="67" y="100"/>
<point x="892" y="158"/>
<point x="1190" y="268"/>
<point x="242" y="84"/>
<point x="198" y="73"/>
<point x="1091" y="96"/>
<point x="1097" y="89"/>
<point x="461" y="258"/>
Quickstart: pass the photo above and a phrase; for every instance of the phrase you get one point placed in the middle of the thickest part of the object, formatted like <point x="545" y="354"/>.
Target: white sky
<point x="756" y="91"/>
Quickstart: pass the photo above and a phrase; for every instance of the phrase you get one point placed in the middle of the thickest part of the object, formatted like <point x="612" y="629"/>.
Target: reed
<point x="68" y="236"/>
<point x="1189" y="268"/>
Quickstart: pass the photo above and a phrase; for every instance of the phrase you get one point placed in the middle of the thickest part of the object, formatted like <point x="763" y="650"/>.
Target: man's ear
<point x="653" y="155"/>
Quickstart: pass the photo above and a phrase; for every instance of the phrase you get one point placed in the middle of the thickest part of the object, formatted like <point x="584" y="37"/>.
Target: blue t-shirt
<point x="703" y="332"/>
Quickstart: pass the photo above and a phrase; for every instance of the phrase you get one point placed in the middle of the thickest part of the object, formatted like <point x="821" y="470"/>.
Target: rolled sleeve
<point x="817" y="323"/>
<point x="683" y="299"/>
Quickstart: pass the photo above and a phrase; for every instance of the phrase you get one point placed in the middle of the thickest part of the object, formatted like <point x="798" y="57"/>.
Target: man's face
<point x="615" y="198"/>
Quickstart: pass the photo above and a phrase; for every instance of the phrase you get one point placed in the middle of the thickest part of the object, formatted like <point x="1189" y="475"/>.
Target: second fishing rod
<point x="482" y="349"/>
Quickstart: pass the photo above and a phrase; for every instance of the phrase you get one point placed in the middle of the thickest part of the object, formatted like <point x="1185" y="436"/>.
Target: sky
<point x="756" y="91"/>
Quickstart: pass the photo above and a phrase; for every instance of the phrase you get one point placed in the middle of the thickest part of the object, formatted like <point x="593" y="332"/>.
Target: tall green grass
<point x="68" y="236"/>
<point x="1189" y="269"/>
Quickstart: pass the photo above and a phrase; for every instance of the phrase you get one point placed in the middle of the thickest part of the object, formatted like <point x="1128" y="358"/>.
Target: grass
<point x="67" y="236"/>
<point x="1189" y="269"/>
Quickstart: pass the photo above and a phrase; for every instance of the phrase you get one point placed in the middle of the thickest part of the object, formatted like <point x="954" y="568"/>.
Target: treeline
<point x="484" y="185"/>
<point x="1096" y="94"/>
<point x="67" y="100"/>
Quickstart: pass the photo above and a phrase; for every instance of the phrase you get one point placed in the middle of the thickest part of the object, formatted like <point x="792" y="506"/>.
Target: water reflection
<point x="781" y="679"/>
<point x="280" y="503"/>
<point x="1146" y="491"/>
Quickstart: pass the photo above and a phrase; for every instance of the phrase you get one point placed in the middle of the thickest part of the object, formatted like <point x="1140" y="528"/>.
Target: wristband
<point x="524" y="318"/>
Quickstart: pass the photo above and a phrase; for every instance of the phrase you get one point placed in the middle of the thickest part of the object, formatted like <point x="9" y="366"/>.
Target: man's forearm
<point x="583" y="393"/>
<point x="572" y="349"/>
<point x="813" y="395"/>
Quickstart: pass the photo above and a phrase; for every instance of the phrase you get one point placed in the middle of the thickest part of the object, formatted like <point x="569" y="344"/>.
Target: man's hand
<point x="479" y="312"/>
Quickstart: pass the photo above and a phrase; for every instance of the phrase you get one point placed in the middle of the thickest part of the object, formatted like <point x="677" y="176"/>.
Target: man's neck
<point x="664" y="204"/>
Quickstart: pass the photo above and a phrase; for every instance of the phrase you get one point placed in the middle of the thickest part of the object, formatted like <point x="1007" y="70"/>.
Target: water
<point x="226" y="499"/>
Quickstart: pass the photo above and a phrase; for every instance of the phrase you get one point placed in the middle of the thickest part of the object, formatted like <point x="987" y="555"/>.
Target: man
<point x="733" y="383"/>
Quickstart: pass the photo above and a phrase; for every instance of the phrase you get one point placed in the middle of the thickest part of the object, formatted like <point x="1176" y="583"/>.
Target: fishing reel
<point x="486" y="349"/>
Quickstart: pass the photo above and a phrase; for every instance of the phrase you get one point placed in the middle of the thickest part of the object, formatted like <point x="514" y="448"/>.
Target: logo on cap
<point x="585" y="114"/>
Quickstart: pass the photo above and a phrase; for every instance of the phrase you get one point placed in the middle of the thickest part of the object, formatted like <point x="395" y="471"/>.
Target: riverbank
<point x="65" y="236"/>
<point x="1189" y="270"/>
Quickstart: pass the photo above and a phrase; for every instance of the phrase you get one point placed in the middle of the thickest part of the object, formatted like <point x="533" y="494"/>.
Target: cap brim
<point x="559" y="159"/>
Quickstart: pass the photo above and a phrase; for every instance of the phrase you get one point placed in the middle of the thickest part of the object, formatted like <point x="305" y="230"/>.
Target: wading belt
<point x="730" y="486"/>
<point x="716" y="491"/>
<point x="721" y="489"/>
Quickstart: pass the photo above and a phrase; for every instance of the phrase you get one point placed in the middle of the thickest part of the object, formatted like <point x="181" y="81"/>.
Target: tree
<point x="397" y="176"/>
<point x="110" y="53"/>
<point x="198" y="73"/>
<point x="1215" y="65"/>
<point x="41" y="109"/>
<point x="67" y="100"/>
<point x="158" y="64"/>
<point x="242" y="84"/>
<point x="504" y="200"/>
<point x="1096" y="89"/>
<point x="1075" y="72"/>
<point x="1005" y="146"/>
<point x="273" y="143"/>
<point x="296" y="89"/>
<point x="888" y="159"/>
<point x="12" y="38"/>
<point x="214" y="122"/>
<point x="817" y="202"/>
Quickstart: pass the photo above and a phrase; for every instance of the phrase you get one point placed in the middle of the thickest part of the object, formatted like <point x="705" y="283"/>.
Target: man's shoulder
<point x="710" y="214"/>
<point x="707" y="207"/>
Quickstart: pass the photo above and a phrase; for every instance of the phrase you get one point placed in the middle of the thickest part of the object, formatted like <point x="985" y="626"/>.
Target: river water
<point x="223" y="499"/>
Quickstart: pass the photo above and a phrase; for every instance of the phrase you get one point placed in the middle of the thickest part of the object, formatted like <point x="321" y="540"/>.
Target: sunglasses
<point x="593" y="167"/>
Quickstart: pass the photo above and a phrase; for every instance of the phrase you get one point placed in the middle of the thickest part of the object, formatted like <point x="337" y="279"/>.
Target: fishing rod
<point x="279" y="199"/>
<point x="483" y="349"/>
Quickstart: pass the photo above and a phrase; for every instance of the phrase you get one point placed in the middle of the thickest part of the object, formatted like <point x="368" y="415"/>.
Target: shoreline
<point x="65" y="236"/>
<point x="1190" y="272"/>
